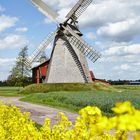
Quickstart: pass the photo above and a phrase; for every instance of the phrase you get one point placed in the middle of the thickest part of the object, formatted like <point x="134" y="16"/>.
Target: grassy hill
<point x="44" y="88"/>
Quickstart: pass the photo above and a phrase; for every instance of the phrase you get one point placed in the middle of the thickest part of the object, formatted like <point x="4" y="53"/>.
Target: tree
<point x="43" y="57"/>
<point x="20" y="72"/>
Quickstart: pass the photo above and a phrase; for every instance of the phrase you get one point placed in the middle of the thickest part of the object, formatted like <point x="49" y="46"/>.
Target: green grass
<point x="9" y="91"/>
<point x="73" y="97"/>
<point x="44" y="88"/>
<point x="75" y="100"/>
<point x="128" y="87"/>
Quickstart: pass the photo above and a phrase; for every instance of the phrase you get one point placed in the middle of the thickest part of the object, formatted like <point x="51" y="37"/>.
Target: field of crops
<point x="75" y="100"/>
<point x="128" y="87"/>
<point x="9" y="91"/>
<point x="89" y="125"/>
<point x="105" y="98"/>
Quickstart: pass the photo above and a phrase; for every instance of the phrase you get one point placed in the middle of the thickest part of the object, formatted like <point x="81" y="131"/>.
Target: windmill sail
<point x="45" y="9"/>
<point x="78" y="9"/>
<point x="78" y="42"/>
<point x="40" y="49"/>
<point x="85" y="49"/>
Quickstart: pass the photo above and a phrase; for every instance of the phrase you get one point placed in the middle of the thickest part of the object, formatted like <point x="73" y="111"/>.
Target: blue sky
<point x="111" y="27"/>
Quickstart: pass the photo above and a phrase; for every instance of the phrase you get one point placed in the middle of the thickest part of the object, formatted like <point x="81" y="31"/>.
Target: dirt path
<point x="38" y="112"/>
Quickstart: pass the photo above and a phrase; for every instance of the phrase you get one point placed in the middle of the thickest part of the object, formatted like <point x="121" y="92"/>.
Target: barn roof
<point x="47" y="61"/>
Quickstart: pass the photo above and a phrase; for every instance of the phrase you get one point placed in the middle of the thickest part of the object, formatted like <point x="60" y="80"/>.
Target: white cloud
<point x="133" y="49"/>
<point x="120" y="59"/>
<point x="91" y="36"/>
<point x="118" y="20"/>
<point x="22" y="29"/>
<point x="123" y="67"/>
<point x="47" y="21"/>
<point x="12" y="41"/>
<point x="7" y="61"/>
<point x="7" y="22"/>
<point x="6" y="65"/>
<point x="137" y="64"/>
<point x="121" y="31"/>
<point x="104" y="12"/>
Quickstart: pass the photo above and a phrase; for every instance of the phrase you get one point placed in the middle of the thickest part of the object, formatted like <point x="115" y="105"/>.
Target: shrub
<point x="89" y="125"/>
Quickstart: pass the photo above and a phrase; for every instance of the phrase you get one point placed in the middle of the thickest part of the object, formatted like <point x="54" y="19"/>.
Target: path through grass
<point x="75" y="100"/>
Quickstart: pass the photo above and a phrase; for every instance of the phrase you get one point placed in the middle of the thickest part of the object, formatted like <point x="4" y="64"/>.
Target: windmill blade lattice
<point x="78" y="9"/>
<point x="89" y="52"/>
<point x="78" y="42"/>
<point x="40" y="49"/>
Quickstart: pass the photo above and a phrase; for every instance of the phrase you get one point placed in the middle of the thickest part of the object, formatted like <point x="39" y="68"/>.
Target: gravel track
<point x="38" y="112"/>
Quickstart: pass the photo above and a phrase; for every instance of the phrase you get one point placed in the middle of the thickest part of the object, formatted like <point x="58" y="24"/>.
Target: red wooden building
<point x="39" y="72"/>
<point x="92" y="75"/>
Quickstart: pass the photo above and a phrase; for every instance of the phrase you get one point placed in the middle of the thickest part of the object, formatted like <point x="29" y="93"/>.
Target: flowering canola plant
<point x="89" y="125"/>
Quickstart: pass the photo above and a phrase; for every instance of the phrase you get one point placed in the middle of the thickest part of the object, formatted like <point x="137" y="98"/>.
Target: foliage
<point x="124" y="82"/>
<point x="89" y="125"/>
<point x="43" y="88"/>
<point x="3" y="83"/>
<point x="20" y="68"/>
<point x="19" y="81"/>
<point x="74" y="101"/>
<point x="43" y="57"/>
<point x="20" y="74"/>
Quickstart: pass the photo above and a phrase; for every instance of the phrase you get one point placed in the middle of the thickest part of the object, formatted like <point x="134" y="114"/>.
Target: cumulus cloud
<point x="104" y="12"/>
<point x="126" y="71"/>
<point x="91" y="36"/>
<point x="6" y="61"/>
<point x="22" y="29"/>
<point x="119" y="53"/>
<point x="6" y="65"/>
<point x="117" y="20"/>
<point x="7" y="22"/>
<point x="137" y="64"/>
<point x="123" y="67"/>
<point x="133" y="49"/>
<point x="121" y="31"/>
<point x="12" y="41"/>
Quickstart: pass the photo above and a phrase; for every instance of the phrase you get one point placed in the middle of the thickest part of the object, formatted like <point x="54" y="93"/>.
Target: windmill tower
<point x="68" y="62"/>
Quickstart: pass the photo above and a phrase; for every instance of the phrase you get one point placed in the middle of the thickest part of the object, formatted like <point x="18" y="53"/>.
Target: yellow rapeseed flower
<point x="89" y="125"/>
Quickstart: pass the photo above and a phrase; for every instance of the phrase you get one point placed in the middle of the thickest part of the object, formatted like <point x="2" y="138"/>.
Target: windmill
<point x="68" y="62"/>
